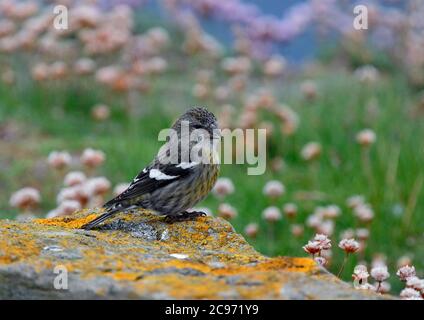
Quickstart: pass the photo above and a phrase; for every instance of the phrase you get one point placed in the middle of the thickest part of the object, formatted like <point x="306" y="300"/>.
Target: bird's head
<point x="199" y="118"/>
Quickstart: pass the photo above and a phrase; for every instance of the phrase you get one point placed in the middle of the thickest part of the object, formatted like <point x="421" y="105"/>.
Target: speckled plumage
<point x="171" y="189"/>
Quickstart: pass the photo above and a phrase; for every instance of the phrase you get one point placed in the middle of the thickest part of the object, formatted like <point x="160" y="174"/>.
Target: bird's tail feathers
<point x="100" y="219"/>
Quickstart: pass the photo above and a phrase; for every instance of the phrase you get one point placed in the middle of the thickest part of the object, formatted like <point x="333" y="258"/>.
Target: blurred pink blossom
<point x="25" y="198"/>
<point x="406" y="272"/>
<point x="349" y="245"/>
<point x="59" y="159"/>
<point x="271" y="214"/>
<point x="92" y="158"/>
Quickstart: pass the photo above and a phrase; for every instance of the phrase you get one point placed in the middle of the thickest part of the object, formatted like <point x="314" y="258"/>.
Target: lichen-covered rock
<point x="141" y="256"/>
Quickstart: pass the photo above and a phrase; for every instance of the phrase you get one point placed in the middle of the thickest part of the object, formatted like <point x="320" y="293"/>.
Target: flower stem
<point x="367" y="168"/>
<point x="271" y="238"/>
<point x="379" y="286"/>
<point x="343" y="265"/>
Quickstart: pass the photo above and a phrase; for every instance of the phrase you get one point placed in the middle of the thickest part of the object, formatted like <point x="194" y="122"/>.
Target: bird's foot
<point x="185" y="216"/>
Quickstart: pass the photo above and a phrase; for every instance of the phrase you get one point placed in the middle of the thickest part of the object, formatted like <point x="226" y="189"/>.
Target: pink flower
<point x="326" y="227"/>
<point x="323" y="241"/>
<point x="367" y="74"/>
<point x="248" y="119"/>
<point x="311" y="151"/>
<point x="331" y="212"/>
<point x="223" y="187"/>
<point x="297" y="230"/>
<point x="100" y="112"/>
<point x="318" y="244"/>
<point x="108" y="75"/>
<point x="156" y="65"/>
<point x="251" y="230"/>
<point x="347" y="234"/>
<point x="74" y="178"/>
<point x="380" y="273"/>
<point x="406" y="272"/>
<point x="98" y="186"/>
<point x="271" y="214"/>
<point x="362" y="234"/>
<point x="314" y="221"/>
<point x="290" y="210"/>
<point x="290" y="121"/>
<point x="360" y="278"/>
<point x="92" y="158"/>
<point x="23" y="10"/>
<point x="366" y="137"/>
<point x="7" y="27"/>
<point x="85" y="16"/>
<point x="25" y="198"/>
<point x="204" y="76"/>
<point x="360" y="273"/>
<point x="274" y="66"/>
<point x="355" y="201"/>
<point x="40" y="72"/>
<point x="59" y="159"/>
<point x="312" y="247"/>
<point x="227" y="211"/>
<point x="58" y="70"/>
<point x="410" y="294"/>
<point x="200" y="91"/>
<point x="415" y="283"/>
<point x="78" y="192"/>
<point x="84" y="66"/>
<point x="222" y="93"/>
<point x="349" y="245"/>
<point x="158" y="36"/>
<point x="236" y="65"/>
<point x="68" y="207"/>
<point x="364" y="213"/>
<point x="321" y="261"/>
<point x="273" y="189"/>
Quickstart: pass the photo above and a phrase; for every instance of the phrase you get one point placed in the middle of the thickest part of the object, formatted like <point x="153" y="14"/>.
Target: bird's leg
<point x="184" y="216"/>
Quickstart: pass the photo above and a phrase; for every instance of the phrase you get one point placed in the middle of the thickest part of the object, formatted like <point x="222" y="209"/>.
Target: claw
<point x="185" y="216"/>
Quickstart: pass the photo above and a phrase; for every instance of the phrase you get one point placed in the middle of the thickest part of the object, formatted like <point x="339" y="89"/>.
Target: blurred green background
<point x="37" y="117"/>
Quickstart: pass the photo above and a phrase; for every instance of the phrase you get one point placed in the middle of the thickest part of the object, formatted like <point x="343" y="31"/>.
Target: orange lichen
<point x="186" y="287"/>
<point x="146" y="265"/>
<point x="66" y="222"/>
<point x="125" y="276"/>
<point x="14" y="250"/>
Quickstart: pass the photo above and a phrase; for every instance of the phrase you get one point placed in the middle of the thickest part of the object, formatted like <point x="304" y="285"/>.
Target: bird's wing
<point x="152" y="178"/>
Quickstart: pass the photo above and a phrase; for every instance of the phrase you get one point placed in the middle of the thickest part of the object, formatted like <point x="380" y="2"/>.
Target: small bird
<point x="182" y="173"/>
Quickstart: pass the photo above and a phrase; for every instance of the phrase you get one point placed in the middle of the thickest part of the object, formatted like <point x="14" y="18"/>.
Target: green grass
<point x="58" y="117"/>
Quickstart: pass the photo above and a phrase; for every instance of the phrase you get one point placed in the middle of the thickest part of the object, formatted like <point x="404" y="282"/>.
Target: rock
<point x="139" y="256"/>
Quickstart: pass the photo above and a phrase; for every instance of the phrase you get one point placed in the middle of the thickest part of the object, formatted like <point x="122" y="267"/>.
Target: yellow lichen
<point x="66" y="222"/>
<point x="13" y="250"/>
<point x="125" y="276"/>
<point x="118" y="255"/>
